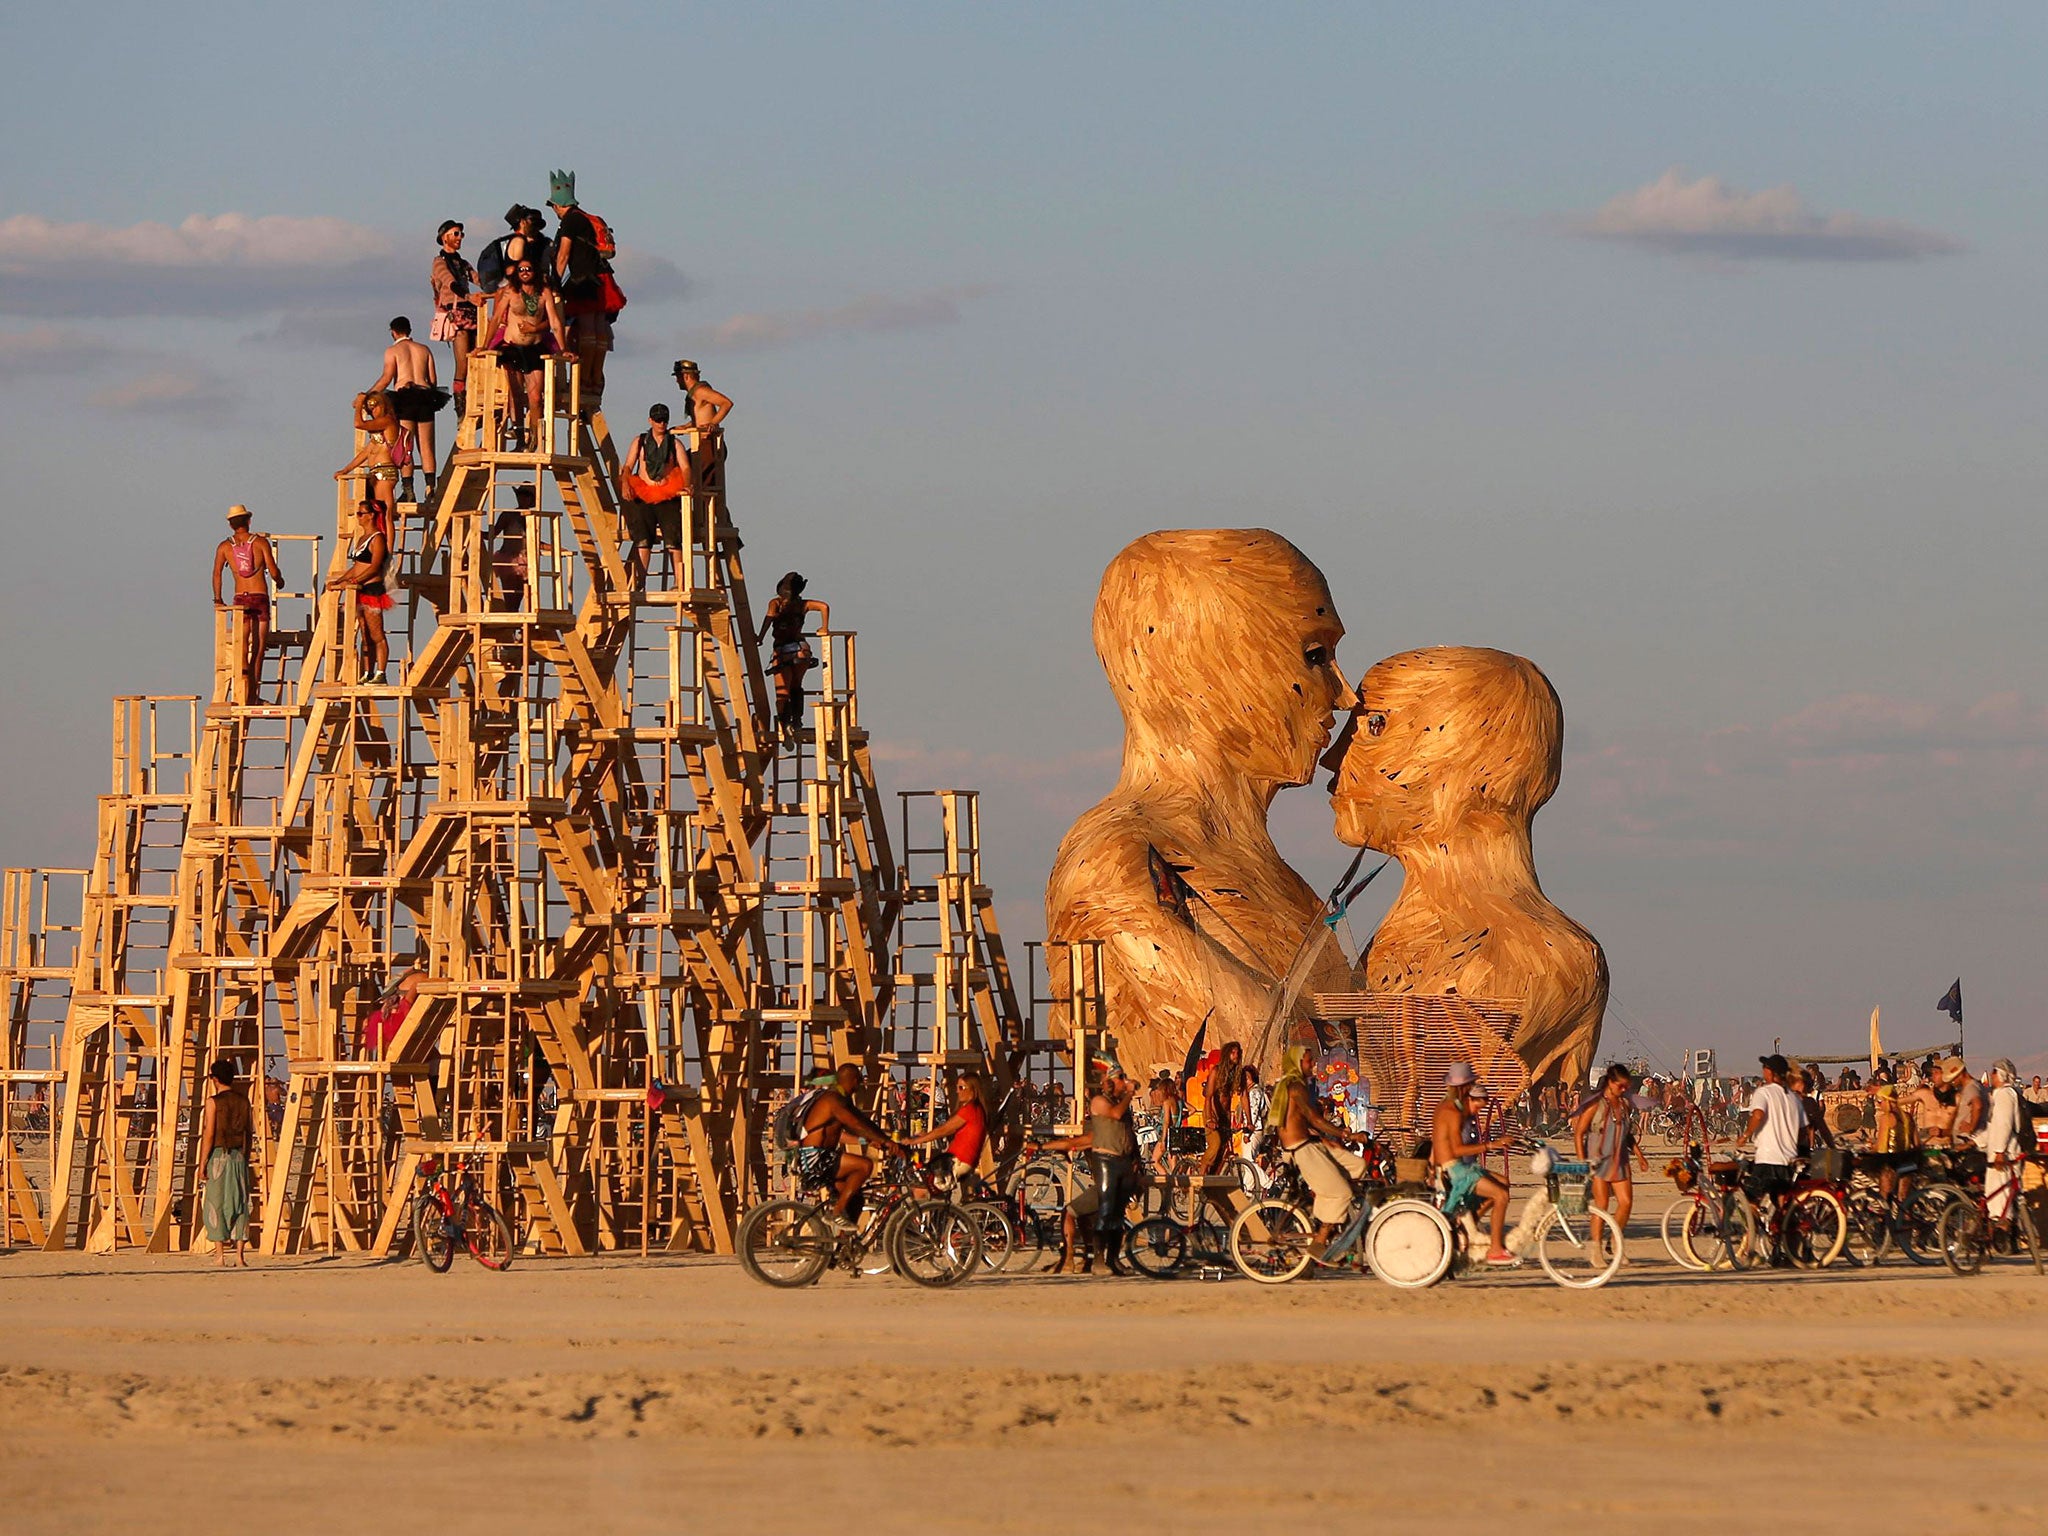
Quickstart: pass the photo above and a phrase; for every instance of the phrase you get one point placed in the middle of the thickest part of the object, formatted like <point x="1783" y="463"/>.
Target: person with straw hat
<point x="254" y="564"/>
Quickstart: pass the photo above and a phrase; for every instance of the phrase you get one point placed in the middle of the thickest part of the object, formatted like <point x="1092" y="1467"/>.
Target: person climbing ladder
<point x="784" y="620"/>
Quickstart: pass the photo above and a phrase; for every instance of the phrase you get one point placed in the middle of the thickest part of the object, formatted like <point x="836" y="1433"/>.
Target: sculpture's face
<point x="1295" y="690"/>
<point x="1441" y="735"/>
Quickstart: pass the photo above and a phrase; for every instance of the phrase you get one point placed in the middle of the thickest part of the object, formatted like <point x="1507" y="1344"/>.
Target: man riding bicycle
<point x="822" y="1163"/>
<point x="1314" y="1146"/>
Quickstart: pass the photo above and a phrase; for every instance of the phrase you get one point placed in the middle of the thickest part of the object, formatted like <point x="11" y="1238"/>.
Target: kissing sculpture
<point x="1451" y="752"/>
<point x="1220" y="645"/>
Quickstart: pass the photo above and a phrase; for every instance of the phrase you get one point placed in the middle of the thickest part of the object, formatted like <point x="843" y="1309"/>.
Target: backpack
<point x="789" y="1120"/>
<point x="490" y="265"/>
<point x="607" y="245"/>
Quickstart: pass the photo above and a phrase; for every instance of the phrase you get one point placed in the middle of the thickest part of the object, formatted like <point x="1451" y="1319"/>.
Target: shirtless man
<point x="1454" y="1145"/>
<point x="1315" y="1146"/>
<point x="415" y="397"/>
<point x="250" y="557"/>
<point x="821" y="1161"/>
<point x="526" y="325"/>
<point x="708" y="410"/>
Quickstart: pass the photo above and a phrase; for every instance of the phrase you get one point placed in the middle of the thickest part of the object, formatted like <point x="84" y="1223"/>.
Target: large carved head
<point x="1224" y="640"/>
<point x="1444" y="739"/>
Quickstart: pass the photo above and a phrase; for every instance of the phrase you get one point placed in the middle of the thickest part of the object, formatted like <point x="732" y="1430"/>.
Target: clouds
<point x="867" y="314"/>
<point x="224" y="264"/>
<point x="1708" y="218"/>
<point x="172" y="391"/>
<point x="45" y="350"/>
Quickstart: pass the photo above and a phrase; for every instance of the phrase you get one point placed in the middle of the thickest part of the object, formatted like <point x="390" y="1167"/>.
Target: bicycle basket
<point x="1569" y="1184"/>
<point x="1411" y="1170"/>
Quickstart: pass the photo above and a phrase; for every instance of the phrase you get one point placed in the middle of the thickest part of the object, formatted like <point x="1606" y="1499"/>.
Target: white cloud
<point x="224" y="264"/>
<point x="869" y="313"/>
<point x="167" y="392"/>
<point x="51" y="349"/>
<point x="1709" y="218"/>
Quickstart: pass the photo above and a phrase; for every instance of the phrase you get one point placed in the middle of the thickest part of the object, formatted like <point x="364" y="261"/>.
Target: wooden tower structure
<point x="628" y="916"/>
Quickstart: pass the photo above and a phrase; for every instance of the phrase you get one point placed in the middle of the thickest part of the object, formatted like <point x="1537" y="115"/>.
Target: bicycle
<point x="1272" y="1240"/>
<point x="1966" y="1233"/>
<point x="1807" y="1222"/>
<point x="790" y="1242"/>
<point x="452" y="1210"/>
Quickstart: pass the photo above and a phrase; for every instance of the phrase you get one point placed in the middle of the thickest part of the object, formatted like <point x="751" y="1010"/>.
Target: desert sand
<point x="154" y="1393"/>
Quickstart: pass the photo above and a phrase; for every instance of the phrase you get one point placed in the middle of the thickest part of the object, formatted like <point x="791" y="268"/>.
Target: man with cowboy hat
<point x="254" y="565"/>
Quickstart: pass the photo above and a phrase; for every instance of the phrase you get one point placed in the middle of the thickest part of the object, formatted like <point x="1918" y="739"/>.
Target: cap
<point x="1460" y="1075"/>
<point x="1777" y="1064"/>
<point x="686" y="365"/>
<point x="237" y="513"/>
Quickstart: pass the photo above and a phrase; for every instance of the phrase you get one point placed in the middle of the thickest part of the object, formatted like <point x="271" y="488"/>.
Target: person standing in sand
<point x="254" y="564"/>
<point x="224" y="1158"/>
<point x="1604" y="1134"/>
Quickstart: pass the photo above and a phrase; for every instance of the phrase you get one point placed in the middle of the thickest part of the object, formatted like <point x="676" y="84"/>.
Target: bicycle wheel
<point x="1209" y="1243"/>
<point x="1030" y="1242"/>
<point x="433" y="1234"/>
<point x="1719" y="1238"/>
<point x="936" y="1244"/>
<point x="1269" y="1242"/>
<point x="1870" y="1228"/>
<point x="1580" y="1253"/>
<point x="1410" y="1244"/>
<point x="998" y="1234"/>
<point x="1157" y="1247"/>
<point x="489" y="1236"/>
<point x="1673" y="1233"/>
<point x="784" y="1243"/>
<point x="1919" y="1221"/>
<point x="1963" y="1237"/>
<point x="1816" y="1229"/>
<point x="1043" y="1190"/>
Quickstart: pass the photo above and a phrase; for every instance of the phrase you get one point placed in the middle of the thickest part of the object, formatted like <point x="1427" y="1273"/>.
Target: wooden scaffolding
<point x="630" y="918"/>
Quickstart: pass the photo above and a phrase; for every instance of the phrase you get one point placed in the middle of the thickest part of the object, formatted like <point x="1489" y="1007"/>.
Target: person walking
<point x="1604" y="1133"/>
<point x="224" y="1161"/>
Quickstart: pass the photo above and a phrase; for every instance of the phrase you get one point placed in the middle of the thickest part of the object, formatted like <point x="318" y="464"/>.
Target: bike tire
<point x="489" y="1237"/>
<point x="1870" y="1229"/>
<point x="433" y="1234"/>
<point x="1920" y="1221"/>
<point x="1031" y="1240"/>
<point x="1816" y="1229"/>
<point x="1411" y="1244"/>
<point x="1720" y="1243"/>
<point x="1157" y="1247"/>
<point x="784" y="1243"/>
<point x="1576" y="1262"/>
<point x="1673" y="1233"/>
<point x="936" y="1244"/>
<point x="999" y="1243"/>
<point x="1269" y="1242"/>
<point x="1963" y="1236"/>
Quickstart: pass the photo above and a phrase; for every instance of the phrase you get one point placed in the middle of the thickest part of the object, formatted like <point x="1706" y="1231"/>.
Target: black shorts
<point x="1767" y="1179"/>
<point x="648" y="522"/>
<point x="418" y="402"/>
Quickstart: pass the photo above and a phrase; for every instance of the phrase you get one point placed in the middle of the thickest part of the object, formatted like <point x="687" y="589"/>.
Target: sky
<point x="1691" y="352"/>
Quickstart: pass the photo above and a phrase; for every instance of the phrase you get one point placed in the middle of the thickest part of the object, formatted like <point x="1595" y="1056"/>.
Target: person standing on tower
<point x="784" y="619"/>
<point x="708" y="410"/>
<point x="254" y="564"/>
<point x="454" y="280"/>
<point x="582" y="248"/>
<point x="415" y="399"/>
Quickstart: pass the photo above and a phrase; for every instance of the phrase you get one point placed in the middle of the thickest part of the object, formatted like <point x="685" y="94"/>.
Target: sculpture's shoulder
<point x="1101" y="877"/>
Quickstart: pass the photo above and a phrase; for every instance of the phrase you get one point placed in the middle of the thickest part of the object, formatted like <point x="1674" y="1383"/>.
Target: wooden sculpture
<point x="1220" y="647"/>
<point x="1448" y="757"/>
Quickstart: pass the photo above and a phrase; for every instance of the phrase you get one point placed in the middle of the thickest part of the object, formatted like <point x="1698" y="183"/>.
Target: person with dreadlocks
<point x="1315" y="1146"/>
<point x="787" y="611"/>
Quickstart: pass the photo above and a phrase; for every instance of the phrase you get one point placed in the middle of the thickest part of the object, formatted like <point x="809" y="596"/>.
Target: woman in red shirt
<point x="968" y="1126"/>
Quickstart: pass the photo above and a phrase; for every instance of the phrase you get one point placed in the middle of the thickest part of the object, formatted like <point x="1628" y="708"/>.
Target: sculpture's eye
<point x="1317" y="656"/>
<point x="1375" y="722"/>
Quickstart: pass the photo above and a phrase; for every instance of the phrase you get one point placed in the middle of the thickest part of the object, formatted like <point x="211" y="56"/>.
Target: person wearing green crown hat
<point x="582" y="246"/>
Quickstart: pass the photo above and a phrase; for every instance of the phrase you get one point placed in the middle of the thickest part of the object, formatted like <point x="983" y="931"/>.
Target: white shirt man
<point x="1999" y="1140"/>
<point x="1776" y="1133"/>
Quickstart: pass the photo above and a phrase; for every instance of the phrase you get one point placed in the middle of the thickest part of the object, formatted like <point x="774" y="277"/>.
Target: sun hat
<point x="1460" y="1075"/>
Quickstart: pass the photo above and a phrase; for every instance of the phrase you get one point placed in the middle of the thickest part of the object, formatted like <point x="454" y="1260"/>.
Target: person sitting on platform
<point x="384" y="445"/>
<point x="454" y="281"/>
<point x="1455" y="1148"/>
<point x="508" y="549"/>
<point x="364" y="575"/>
<point x="822" y="1162"/>
<point x="250" y="557"/>
<point x="381" y="1023"/>
<point x="785" y="617"/>
<point x="526" y="326"/>
<point x="415" y="397"/>
<point x="652" y="484"/>
<point x="708" y="410"/>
